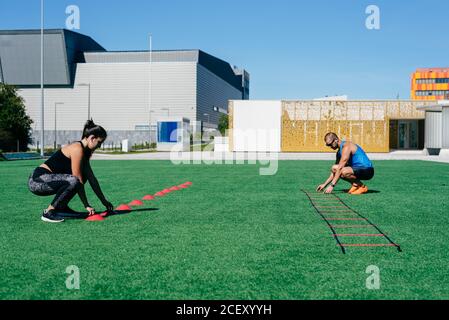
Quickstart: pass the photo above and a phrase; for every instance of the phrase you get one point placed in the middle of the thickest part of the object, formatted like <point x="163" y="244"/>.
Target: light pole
<point x="88" y="102"/>
<point x="151" y="80"/>
<point x="56" y="104"/>
<point x="42" y="79"/>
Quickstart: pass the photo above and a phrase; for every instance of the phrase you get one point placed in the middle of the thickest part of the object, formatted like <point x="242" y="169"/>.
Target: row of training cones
<point x="135" y="203"/>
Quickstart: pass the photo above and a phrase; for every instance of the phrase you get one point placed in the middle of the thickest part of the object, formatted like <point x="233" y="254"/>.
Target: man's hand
<point x="91" y="211"/>
<point x="109" y="206"/>
<point x="329" y="190"/>
<point x="320" y="187"/>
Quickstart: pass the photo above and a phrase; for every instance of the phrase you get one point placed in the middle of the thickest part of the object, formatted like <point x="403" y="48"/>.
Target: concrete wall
<point x="64" y="137"/>
<point x="256" y="126"/>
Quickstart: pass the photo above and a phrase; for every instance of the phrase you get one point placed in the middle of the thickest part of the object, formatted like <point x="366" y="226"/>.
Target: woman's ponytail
<point x="91" y="129"/>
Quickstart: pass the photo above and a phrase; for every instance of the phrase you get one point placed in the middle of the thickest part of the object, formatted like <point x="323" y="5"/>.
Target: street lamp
<point x="56" y="104"/>
<point x="151" y="111"/>
<point x="88" y="103"/>
<point x="151" y="80"/>
<point x="42" y="79"/>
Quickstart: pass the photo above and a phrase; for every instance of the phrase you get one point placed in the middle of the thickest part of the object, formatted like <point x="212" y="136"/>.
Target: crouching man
<point x="352" y="165"/>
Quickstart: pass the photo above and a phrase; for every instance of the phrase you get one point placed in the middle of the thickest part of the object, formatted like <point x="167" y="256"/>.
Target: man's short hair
<point x="331" y="136"/>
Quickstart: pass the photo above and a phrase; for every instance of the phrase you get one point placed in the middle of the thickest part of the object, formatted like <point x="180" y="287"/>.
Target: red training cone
<point x="148" y="198"/>
<point x="188" y="183"/>
<point x="104" y="214"/>
<point x="136" y="203"/>
<point x="166" y="191"/>
<point x="123" y="207"/>
<point x="95" y="217"/>
<point x="175" y="188"/>
<point x="160" y="194"/>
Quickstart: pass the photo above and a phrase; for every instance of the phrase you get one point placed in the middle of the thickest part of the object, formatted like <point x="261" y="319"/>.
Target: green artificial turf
<point x="233" y="235"/>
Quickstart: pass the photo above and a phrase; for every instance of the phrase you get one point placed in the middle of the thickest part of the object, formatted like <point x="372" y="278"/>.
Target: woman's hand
<point x="108" y="205"/>
<point x="91" y="211"/>
<point x="321" y="187"/>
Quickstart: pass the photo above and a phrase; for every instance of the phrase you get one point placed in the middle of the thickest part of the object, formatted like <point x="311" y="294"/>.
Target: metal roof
<point x="20" y="56"/>
<point x="438" y="107"/>
<point x="432" y="70"/>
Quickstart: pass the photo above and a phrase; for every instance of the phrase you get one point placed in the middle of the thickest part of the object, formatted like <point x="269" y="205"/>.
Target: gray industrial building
<point x="122" y="91"/>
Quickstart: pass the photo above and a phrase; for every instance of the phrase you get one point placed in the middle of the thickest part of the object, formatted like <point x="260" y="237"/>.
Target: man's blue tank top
<point x="359" y="159"/>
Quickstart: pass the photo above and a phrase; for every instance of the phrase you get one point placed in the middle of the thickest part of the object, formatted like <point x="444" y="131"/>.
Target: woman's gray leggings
<point x="44" y="183"/>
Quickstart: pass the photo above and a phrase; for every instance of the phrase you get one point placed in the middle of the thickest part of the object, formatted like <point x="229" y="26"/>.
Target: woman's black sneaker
<point x="68" y="213"/>
<point x="51" y="216"/>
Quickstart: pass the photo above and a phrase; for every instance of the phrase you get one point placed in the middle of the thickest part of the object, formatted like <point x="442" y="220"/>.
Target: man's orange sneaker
<point x="361" y="190"/>
<point x="354" y="188"/>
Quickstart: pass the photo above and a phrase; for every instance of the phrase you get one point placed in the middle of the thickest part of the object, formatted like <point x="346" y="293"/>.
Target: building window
<point x="422" y="93"/>
<point x="432" y="81"/>
<point x="167" y="132"/>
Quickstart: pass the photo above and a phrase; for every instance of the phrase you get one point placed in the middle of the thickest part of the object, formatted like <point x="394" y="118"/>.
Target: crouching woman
<point x="65" y="173"/>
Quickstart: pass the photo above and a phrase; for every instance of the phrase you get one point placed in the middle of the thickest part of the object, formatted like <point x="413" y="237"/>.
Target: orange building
<point x="430" y="84"/>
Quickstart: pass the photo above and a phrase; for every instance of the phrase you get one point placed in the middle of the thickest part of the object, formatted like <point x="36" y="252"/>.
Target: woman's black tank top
<point x="60" y="164"/>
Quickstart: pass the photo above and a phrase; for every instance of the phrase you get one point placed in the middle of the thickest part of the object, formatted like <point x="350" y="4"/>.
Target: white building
<point x="122" y="91"/>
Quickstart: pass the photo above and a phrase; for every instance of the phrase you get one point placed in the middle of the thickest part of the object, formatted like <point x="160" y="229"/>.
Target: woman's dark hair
<point x="91" y="129"/>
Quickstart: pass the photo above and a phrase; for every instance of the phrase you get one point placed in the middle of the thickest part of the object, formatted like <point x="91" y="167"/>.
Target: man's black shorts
<point x="364" y="173"/>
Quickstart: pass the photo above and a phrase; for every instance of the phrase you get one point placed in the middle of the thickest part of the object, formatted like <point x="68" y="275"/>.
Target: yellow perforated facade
<point x="305" y="123"/>
<point x="367" y="123"/>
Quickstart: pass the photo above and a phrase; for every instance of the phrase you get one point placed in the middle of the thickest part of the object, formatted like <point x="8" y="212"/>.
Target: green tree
<point x="15" y="124"/>
<point x="223" y="124"/>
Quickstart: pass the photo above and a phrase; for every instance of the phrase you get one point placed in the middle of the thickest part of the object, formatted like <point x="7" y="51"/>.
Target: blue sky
<point x="293" y="49"/>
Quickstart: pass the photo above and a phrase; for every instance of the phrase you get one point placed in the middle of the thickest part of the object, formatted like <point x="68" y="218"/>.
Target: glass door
<point x="408" y="134"/>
